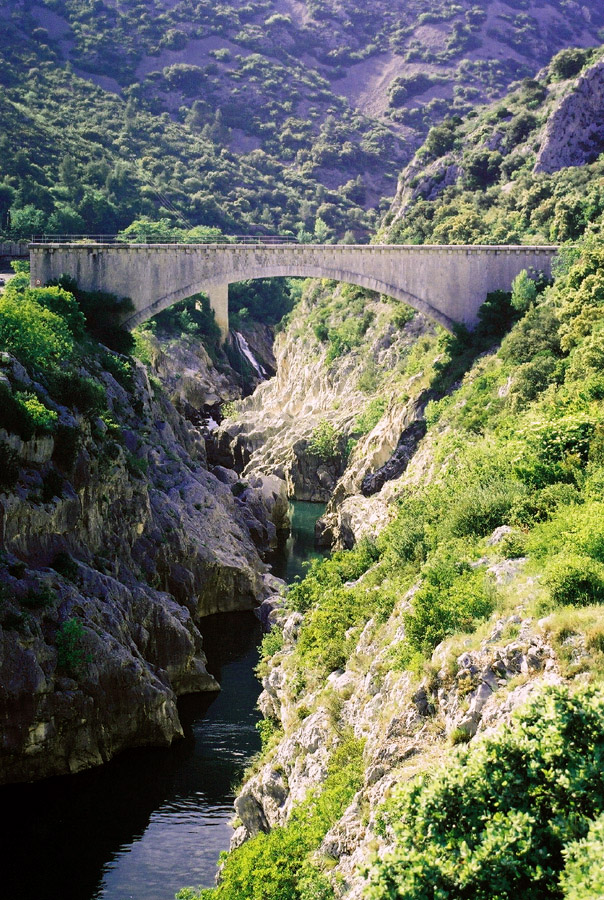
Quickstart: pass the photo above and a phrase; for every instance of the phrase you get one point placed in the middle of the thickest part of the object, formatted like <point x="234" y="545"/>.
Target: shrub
<point x="40" y="598"/>
<point x="61" y="302"/>
<point x="43" y="420"/>
<point x="535" y="334"/>
<point x="583" y="874"/>
<point x="79" y="392"/>
<point x="325" y="442"/>
<point x="65" y="566"/>
<point x="481" y="168"/>
<point x="103" y="313"/>
<point x="272" y="642"/>
<point x="494" y="822"/>
<point x="524" y="291"/>
<point x="120" y="368"/>
<point x="575" y="580"/>
<point x="568" y="63"/>
<point x="37" y="336"/>
<point x="371" y="415"/>
<point x="447" y="602"/>
<point x="481" y="504"/>
<point x="279" y="865"/>
<point x="72" y="658"/>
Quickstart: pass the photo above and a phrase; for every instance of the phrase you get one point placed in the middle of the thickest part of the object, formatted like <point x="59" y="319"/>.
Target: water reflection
<point x="160" y="816"/>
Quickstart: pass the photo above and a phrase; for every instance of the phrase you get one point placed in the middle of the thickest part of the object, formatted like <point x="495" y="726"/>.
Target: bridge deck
<point x="447" y="282"/>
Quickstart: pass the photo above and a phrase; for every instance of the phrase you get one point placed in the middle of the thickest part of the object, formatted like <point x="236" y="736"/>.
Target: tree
<point x="322" y="231"/>
<point x="524" y="291"/>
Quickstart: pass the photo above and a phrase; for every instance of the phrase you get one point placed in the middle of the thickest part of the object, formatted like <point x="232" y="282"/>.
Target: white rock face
<point x="407" y="727"/>
<point x="273" y="427"/>
<point x="574" y="134"/>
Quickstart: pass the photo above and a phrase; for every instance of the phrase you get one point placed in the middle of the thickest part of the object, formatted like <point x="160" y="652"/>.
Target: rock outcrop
<point x="115" y="543"/>
<point x="272" y="430"/>
<point x="574" y="134"/>
<point x="407" y="724"/>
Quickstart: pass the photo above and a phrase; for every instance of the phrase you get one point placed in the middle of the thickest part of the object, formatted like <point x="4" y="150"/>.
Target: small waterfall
<point x="244" y="349"/>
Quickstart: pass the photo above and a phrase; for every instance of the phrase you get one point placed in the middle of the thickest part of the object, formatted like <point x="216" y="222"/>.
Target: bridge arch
<point x="218" y="292"/>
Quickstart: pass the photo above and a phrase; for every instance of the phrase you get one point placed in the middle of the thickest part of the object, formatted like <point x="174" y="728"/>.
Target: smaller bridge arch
<point x="448" y="283"/>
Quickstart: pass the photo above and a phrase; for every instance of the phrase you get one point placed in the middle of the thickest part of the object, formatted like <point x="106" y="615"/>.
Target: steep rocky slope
<point x="488" y="179"/>
<point x="116" y="539"/>
<point x="475" y="578"/>
<point x="476" y="588"/>
<point x="353" y="391"/>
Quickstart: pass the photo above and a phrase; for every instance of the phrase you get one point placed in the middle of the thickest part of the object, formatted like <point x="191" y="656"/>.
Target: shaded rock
<point x="398" y="462"/>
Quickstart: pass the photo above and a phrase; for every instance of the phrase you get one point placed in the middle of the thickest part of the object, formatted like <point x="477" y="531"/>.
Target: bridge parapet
<point x="446" y="282"/>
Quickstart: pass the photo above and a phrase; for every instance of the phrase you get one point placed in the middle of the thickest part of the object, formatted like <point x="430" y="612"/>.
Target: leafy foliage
<point x="325" y="442"/>
<point x="279" y="865"/>
<point x="72" y="656"/>
<point x="497" y="820"/>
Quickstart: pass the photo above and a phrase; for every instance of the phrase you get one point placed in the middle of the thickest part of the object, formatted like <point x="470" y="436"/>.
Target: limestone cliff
<point x="574" y="134"/>
<point x="371" y="396"/>
<point x="114" y="545"/>
<point x="408" y="723"/>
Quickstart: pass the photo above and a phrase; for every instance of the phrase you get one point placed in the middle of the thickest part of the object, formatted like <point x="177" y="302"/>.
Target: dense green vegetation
<point x="206" y="115"/>
<point x="515" y="428"/>
<point x="280" y="864"/>
<point x="519" y="814"/>
<point x="476" y="157"/>
<point x="53" y="334"/>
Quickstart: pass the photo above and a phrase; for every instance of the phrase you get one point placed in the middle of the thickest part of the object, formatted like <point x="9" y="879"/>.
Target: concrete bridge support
<point x="446" y="283"/>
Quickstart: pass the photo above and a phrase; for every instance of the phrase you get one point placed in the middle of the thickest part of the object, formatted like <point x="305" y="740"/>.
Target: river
<point x="151" y="821"/>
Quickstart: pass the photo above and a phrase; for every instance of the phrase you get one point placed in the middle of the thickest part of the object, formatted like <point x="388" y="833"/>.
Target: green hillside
<point x="266" y="116"/>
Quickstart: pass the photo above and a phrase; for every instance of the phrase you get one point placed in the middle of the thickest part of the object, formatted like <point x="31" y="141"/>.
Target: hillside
<point x="433" y="695"/>
<point x="527" y="169"/>
<point x="270" y="116"/>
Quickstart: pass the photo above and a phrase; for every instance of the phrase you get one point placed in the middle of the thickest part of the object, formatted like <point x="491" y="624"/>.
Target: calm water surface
<point x="155" y="820"/>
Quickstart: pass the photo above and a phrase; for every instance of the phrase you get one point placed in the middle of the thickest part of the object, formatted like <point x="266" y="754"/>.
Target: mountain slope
<point x="269" y="116"/>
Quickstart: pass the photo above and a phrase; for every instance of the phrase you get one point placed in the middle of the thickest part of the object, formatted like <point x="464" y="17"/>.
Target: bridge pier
<point x="219" y="302"/>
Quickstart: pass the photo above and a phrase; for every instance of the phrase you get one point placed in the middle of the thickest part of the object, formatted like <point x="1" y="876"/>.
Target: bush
<point x="61" y="302"/>
<point x="568" y="63"/>
<point x="43" y="420"/>
<point x="120" y="368"/>
<point x="583" y="874"/>
<point x="103" y="313"/>
<point x="38" y="337"/>
<point x="79" y="392"/>
<point x="575" y="580"/>
<point x="447" y="602"/>
<point x="371" y="415"/>
<point x="65" y="566"/>
<point x="325" y="442"/>
<point x="272" y="642"/>
<point x="279" y="865"/>
<point x="524" y="291"/>
<point x="40" y="598"/>
<point x="494" y="822"/>
<point x="72" y="658"/>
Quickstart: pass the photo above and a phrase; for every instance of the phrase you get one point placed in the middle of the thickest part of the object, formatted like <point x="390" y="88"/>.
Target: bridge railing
<point x="119" y="239"/>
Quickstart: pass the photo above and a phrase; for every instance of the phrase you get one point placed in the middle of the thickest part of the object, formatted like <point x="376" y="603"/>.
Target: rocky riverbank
<point x="116" y="539"/>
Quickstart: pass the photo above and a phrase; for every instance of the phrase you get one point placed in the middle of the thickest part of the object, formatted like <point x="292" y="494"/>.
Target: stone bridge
<point x="446" y="283"/>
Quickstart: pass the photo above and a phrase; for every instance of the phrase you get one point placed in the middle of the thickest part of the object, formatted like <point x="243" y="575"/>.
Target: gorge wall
<point x="113" y="548"/>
